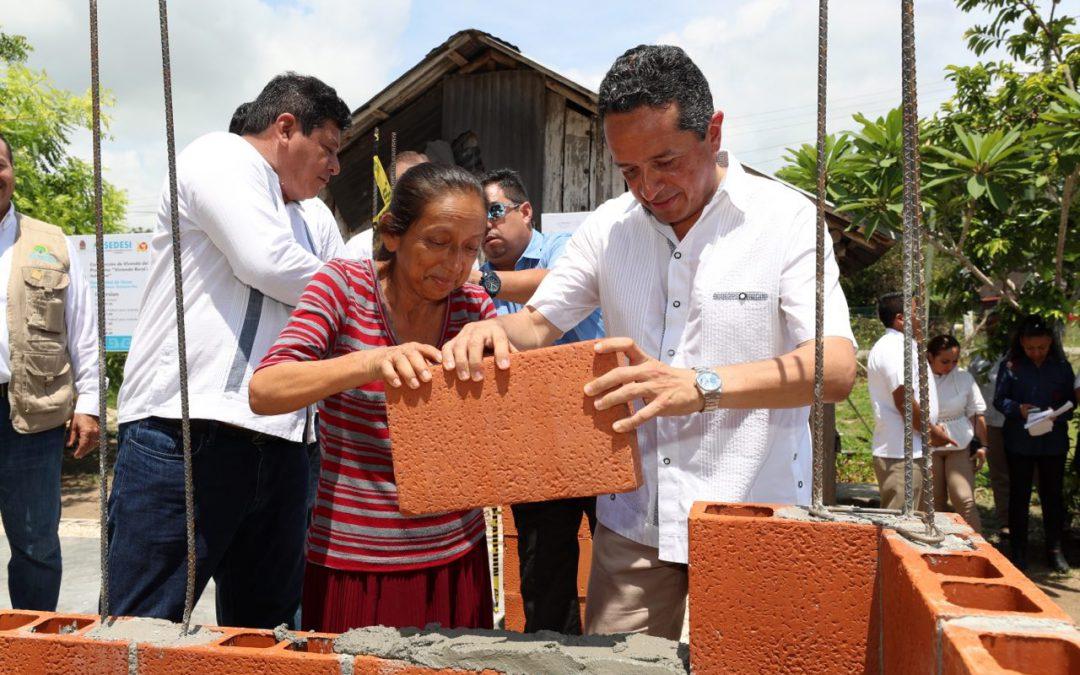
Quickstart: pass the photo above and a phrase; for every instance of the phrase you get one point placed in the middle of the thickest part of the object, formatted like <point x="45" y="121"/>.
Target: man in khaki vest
<point x="48" y="378"/>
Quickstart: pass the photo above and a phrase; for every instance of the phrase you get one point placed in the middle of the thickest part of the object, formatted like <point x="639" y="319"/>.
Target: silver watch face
<point x="708" y="381"/>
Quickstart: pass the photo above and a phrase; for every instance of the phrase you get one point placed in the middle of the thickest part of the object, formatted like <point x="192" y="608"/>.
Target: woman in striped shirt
<point x="360" y="327"/>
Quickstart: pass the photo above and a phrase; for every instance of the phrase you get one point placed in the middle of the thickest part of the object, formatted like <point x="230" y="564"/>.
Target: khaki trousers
<point x="954" y="483"/>
<point x="890" y="478"/>
<point x="632" y="591"/>
<point x="999" y="473"/>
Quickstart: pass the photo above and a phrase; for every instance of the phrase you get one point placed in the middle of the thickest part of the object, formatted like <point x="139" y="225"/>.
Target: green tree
<point x="38" y="120"/>
<point x="1000" y="170"/>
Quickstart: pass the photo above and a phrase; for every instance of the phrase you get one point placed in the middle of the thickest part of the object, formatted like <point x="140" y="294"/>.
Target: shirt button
<point x="742" y="296"/>
<point x="612" y="497"/>
<point x="796" y="456"/>
<point x="667" y="460"/>
<point x="671" y="352"/>
<point x="800" y="483"/>
<point x="677" y="255"/>
<point x="676" y="303"/>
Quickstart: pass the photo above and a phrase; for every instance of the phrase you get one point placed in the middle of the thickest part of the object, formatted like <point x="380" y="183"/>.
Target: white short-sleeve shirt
<point x="361" y="246"/>
<point x="959" y="399"/>
<point x="739" y="287"/>
<point x="884" y="373"/>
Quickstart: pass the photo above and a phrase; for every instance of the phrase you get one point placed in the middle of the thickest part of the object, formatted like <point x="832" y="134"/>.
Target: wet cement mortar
<point x="156" y="632"/>
<point x="955" y="537"/>
<point x="509" y="652"/>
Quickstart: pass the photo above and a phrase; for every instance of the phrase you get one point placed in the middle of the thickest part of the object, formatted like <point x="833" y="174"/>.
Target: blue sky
<point x="759" y="56"/>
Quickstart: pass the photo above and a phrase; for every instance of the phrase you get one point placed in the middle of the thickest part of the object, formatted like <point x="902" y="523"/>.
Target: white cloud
<point x="761" y="62"/>
<point x="222" y="53"/>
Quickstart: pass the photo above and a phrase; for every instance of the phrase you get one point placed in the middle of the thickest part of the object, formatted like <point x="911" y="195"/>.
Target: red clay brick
<point x="524" y="435"/>
<point x="965" y="651"/>
<point x="772" y="595"/>
<point x="919" y="590"/>
<point x="25" y="652"/>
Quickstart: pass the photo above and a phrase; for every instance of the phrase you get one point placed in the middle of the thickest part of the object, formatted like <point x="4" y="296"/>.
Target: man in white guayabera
<point x="707" y="273"/>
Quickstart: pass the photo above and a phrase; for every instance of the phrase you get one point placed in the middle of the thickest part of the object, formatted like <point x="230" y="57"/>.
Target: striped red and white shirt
<point x="357" y="525"/>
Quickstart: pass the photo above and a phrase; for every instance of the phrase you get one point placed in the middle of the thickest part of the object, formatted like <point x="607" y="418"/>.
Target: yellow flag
<point x="384" y="186"/>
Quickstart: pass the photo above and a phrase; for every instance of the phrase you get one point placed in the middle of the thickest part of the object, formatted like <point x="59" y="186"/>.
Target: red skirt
<point x="456" y="595"/>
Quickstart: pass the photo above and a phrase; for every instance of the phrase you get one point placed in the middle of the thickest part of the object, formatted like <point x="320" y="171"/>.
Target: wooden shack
<point x="478" y="101"/>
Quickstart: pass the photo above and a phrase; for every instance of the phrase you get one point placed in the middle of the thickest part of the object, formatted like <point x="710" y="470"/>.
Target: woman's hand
<point x="979" y="459"/>
<point x="409" y="363"/>
<point x="939" y="436"/>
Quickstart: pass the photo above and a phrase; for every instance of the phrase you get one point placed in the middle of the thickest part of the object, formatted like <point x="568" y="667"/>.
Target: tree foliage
<point x="38" y="120"/>
<point x="999" y="173"/>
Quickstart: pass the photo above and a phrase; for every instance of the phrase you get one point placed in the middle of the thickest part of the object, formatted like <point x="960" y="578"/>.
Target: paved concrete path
<point x="81" y="582"/>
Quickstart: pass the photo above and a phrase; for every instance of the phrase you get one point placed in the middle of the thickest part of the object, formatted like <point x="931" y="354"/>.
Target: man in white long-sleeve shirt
<point x="48" y="377"/>
<point x="247" y="252"/>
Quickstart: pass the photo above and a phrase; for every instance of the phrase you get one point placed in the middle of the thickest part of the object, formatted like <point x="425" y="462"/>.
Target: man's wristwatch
<point x="710" y="386"/>
<point x="491" y="282"/>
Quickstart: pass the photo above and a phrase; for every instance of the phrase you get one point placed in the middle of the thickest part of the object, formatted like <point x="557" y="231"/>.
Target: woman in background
<point x="1035" y="376"/>
<point x="960" y="410"/>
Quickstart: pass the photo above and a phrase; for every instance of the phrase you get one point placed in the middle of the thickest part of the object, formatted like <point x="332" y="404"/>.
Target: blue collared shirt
<point x="542" y="251"/>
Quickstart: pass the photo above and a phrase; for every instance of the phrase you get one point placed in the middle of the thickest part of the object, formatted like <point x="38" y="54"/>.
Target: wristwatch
<point x="491" y="282"/>
<point x="710" y="386"/>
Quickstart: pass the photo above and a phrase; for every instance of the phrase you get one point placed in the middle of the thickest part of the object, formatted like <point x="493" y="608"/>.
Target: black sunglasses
<point x="499" y="210"/>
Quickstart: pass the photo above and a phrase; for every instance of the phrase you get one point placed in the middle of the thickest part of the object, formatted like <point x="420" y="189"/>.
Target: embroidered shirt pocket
<point x="741" y="296"/>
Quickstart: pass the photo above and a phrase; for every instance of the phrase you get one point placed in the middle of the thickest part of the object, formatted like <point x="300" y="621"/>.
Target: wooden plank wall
<point x="505" y="109"/>
<point x="578" y="172"/>
<point x="416" y="124"/>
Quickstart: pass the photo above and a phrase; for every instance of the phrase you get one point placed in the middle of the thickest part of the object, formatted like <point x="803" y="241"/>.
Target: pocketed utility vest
<point x="42" y="388"/>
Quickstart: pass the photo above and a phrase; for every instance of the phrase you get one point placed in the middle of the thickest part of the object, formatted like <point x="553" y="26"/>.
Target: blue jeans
<point x="30" y="507"/>
<point x="250" y="521"/>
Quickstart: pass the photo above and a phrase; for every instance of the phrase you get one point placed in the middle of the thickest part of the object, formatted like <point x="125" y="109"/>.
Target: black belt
<point x="199" y="426"/>
<point x="3" y="390"/>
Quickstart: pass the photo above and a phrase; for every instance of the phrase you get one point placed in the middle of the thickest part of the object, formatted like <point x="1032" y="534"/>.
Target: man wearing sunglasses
<point x="518" y="257"/>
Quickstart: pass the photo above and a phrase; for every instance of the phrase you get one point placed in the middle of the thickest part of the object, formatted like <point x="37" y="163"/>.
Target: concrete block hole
<point x="962" y="566"/>
<point x="254" y="640"/>
<point x="13" y="620"/>
<point x="62" y="625"/>
<point x="992" y="597"/>
<point x="1033" y="655"/>
<point x="739" y="510"/>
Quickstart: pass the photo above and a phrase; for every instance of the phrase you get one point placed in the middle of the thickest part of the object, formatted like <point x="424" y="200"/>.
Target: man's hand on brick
<point x="666" y="391"/>
<point x="465" y="353"/>
<point x="83" y="433"/>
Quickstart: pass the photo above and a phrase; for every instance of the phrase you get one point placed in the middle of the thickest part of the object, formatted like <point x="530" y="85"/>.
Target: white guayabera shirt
<point x="739" y="287"/>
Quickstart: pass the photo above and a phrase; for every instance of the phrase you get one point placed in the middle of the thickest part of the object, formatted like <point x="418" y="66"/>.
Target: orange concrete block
<point x="775" y="595"/>
<point x="922" y="588"/>
<point x="524" y="435"/>
<point x="969" y="651"/>
<point x="42" y="642"/>
<point x="514" y="618"/>
<point x="244" y="651"/>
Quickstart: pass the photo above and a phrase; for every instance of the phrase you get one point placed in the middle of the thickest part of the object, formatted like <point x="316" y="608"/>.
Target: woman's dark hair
<point x="418" y="187"/>
<point x="1032" y="326"/>
<point x="657" y="76"/>
<point x="940" y="343"/>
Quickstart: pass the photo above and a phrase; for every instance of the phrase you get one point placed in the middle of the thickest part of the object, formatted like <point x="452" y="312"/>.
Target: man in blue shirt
<point x="518" y="257"/>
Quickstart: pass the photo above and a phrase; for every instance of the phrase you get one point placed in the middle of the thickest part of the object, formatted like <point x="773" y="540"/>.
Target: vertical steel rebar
<point x="181" y="332"/>
<point x="910" y="234"/>
<point x="99" y="242"/>
<point x="818" y="409"/>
